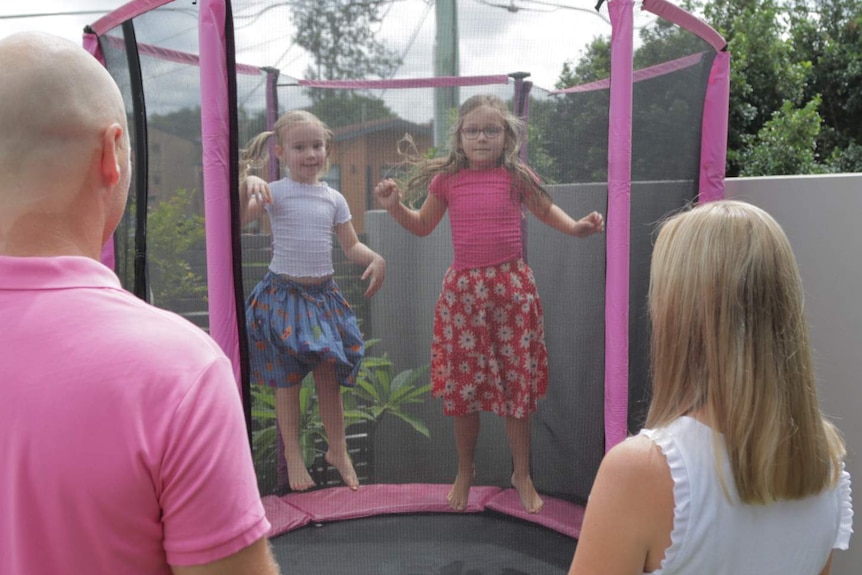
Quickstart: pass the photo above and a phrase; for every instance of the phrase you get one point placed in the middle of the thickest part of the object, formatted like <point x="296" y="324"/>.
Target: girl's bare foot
<point x="529" y="496"/>
<point x="344" y="466"/>
<point x="297" y="475"/>
<point x="460" y="492"/>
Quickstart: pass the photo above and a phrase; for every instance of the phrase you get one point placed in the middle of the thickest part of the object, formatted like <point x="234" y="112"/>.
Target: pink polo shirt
<point x="123" y="446"/>
<point x="485" y="222"/>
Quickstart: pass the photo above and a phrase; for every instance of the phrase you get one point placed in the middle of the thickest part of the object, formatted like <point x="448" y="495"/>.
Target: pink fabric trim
<point x="339" y="503"/>
<point x="215" y="129"/>
<point x="438" y="82"/>
<point x="713" y="146"/>
<point x="618" y="223"/>
<point x="687" y="21"/>
<point x="557" y="514"/>
<point x="174" y="55"/>
<point x="639" y="75"/>
<point x="125" y="12"/>
<point x="283" y="516"/>
<point x="91" y="45"/>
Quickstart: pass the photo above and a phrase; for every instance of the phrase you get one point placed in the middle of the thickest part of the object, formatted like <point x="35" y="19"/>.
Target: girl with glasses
<point x="488" y="351"/>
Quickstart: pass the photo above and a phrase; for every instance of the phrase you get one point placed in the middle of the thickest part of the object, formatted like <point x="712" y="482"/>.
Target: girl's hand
<point x="387" y="194"/>
<point x="375" y="273"/>
<point x="257" y="189"/>
<point x="588" y="225"/>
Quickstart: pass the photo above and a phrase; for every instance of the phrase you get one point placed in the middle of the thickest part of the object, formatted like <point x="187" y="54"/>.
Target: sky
<point x="496" y="36"/>
<point x="538" y="37"/>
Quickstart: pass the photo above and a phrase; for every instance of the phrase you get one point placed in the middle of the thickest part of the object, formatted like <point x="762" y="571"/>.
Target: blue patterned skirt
<point x="293" y="328"/>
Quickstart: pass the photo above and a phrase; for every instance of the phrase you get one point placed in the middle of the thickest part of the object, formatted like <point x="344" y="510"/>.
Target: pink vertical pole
<point x="215" y="130"/>
<point x="618" y="224"/>
<point x="713" y="147"/>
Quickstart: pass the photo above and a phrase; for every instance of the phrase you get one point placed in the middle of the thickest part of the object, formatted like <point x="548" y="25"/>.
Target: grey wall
<point x="822" y="216"/>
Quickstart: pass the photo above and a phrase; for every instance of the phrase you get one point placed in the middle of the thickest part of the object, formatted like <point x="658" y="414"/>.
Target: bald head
<point x="59" y="109"/>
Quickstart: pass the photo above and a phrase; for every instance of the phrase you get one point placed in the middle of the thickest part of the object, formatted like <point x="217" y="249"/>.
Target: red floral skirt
<point x="488" y="352"/>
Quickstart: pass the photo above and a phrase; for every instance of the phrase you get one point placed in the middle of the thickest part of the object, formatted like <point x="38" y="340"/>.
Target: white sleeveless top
<point x="302" y="217"/>
<point x="713" y="536"/>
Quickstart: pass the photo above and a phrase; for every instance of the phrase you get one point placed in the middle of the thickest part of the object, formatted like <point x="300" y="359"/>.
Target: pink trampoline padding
<point x="283" y="516"/>
<point x="338" y="503"/>
<point x="559" y="515"/>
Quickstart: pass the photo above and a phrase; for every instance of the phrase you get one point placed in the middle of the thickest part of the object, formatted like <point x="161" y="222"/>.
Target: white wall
<point x="822" y="216"/>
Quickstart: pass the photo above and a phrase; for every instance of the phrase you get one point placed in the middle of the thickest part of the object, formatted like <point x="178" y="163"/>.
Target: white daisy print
<point x="448" y="332"/>
<point x="445" y="313"/>
<point x="505" y="333"/>
<point x="500" y="315"/>
<point x="481" y="290"/>
<point x="467" y="340"/>
<point x="460" y="321"/>
<point x="468" y="392"/>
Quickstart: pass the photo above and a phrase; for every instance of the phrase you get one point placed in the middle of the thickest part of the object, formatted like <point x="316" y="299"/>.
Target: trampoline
<point x="636" y="146"/>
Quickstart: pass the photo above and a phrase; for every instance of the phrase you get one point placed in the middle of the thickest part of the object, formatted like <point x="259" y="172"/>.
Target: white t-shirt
<point x="302" y="217"/>
<point x="712" y="535"/>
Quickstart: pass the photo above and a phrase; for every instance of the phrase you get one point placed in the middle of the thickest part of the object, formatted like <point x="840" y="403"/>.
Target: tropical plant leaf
<point x="414" y="422"/>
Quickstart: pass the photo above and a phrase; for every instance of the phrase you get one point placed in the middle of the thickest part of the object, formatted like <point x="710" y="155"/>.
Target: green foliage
<point x="185" y="122"/>
<point x="175" y="239"/>
<point x="786" y="144"/>
<point x="796" y="72"/>
<point x="347" y="108"/>
<point x="377" y="393"/>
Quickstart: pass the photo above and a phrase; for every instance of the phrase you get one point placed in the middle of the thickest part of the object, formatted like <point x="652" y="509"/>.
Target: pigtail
<point x="255" y="155"/>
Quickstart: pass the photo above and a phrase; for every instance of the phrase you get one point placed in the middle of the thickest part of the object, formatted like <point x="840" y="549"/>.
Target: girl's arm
<point x="554" y="216"/>
<point x="629" y="515"/>
<point x="359" y="253"/>
<point x="254" y="194"/>
<point x="420" y="222"/>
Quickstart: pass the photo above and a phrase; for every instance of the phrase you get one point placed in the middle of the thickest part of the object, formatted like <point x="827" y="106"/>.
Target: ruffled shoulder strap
<point x="845" y="527"/>
<point x="664" y="439"/>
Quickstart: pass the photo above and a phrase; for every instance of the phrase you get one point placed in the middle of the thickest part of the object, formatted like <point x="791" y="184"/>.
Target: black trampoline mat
<point x="425" y="544"/>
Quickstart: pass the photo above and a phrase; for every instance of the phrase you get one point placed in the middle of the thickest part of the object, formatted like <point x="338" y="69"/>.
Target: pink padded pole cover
<point x="713" y="147"/>
<point x="215" y="129"/>
<point x="618" y="222"/>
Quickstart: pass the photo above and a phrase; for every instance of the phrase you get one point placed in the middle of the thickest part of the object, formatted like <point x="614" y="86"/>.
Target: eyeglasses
<point x="490" y="132"/>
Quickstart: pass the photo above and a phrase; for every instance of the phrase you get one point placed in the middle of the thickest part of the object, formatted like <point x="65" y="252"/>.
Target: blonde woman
<point x="737" y="470"/>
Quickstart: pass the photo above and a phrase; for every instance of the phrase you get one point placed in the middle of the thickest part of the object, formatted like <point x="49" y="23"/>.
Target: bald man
<point x="123" y="447"/>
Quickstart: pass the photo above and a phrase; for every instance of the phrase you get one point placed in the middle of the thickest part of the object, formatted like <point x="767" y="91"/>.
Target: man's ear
<point x="112" y="155"/>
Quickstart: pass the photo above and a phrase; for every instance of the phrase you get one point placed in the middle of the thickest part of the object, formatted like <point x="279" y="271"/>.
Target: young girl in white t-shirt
<point x="297" y="318"/>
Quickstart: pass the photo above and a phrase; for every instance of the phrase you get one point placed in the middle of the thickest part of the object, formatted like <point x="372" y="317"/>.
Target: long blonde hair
<point x="730" y="340"/>
<point x="256" y="153"/>
<point x="525" y="186"/>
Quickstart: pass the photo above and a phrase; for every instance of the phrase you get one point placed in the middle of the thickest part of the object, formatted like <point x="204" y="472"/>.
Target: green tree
<point x="828" y="35"/>
<point x="796" y="72"/>
<point x="786" y="144"/>
<point x="344" y="108"/>
<point x="340" y="36"/>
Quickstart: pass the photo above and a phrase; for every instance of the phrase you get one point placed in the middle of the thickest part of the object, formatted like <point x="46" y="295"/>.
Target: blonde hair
<point x="256" y="153"/>
<point x="730" y="340"/>
<point x="525" y="186"/>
